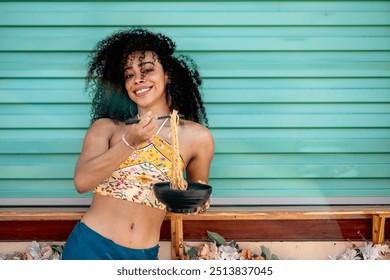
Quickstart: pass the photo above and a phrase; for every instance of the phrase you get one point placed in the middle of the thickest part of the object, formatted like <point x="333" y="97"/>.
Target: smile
<point x="142" y="90"/>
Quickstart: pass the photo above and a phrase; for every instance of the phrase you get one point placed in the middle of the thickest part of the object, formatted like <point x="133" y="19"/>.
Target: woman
<point x="134" y="74"/>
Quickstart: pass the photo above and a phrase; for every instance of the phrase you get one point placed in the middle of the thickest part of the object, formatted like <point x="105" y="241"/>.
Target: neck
<point x="156" y="112"/>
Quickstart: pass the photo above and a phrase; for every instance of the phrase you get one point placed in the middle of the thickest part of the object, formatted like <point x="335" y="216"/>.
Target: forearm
<point x="91" y="172"/>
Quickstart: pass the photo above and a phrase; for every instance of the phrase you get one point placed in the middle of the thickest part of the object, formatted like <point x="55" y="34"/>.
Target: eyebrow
<point x="140" y="65"/>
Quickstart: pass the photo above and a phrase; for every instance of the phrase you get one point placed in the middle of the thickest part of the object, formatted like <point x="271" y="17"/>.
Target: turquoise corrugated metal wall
<point x="297" y="94"/>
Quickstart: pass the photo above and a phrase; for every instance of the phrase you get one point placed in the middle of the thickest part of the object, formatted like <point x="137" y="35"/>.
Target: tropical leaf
<point x="58" y="248"/>
<point x="234" y="245"/>
<point x="215" y="237"/>
<point x="266" y="252"/>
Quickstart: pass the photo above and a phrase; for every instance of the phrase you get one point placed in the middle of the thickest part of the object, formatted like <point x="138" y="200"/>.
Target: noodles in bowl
<point x="178" y="195"/>
<point x="182" y="201"/>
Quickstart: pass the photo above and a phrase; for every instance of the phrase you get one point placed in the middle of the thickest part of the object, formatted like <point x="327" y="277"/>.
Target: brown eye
<point x="148" y="70"/>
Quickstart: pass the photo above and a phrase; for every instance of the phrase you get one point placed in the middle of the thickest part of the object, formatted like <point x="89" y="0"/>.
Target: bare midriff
<point x="128" y="224"/>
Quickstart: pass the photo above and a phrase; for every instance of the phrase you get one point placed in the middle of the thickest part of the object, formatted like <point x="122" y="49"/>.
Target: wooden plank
<point x="246" y="145"/>
<point x="230" y="135"/>
<point x="220" y="96"/>
<point x="282" y="215"/>
<point x="68" y="66"/>
<point x="247" y="106"/>
<point x="216" y="213"/>
<point x="41" y="216"/>
<point x="378" y="229"/>
<point x="229" y="5"/>
<point x="280" y="133"/>
<point x="68" y="62"/>
<point x="259" y="191"/>
<point x="244" y="230"/>
<point x="250" y="60"/>
<point x="177" y="237"/>
<point x="303" y="223"/>
<point x="283" y="108"/>
<point x="229" y="95"/>
<point x="133" y="17"/>
<point x="300" y="171"/>
<point x="65" y="171"/>
<point x="218" y="121"/>
<point x="44" y="230"/>
<point x="44" y="121"/>
<point x="224" y="147"/>
<point x="282" y="230"/>
<point x="84" y="40"/>
<point x="238" y="85"/>
<point x="298" y="120"/>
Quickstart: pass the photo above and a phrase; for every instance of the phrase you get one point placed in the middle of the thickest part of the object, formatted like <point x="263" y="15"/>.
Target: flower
<point x="208" y="251"/>
<point x="368" y="251"/>
<point x="247" y="254"/>
<point x="350" y="254"/>
<point x="36" y="252"/>
<point x="229" y="252"/>
<point x="216" y="248"/>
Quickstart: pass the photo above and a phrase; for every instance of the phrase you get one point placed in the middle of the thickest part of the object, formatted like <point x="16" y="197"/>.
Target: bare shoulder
<point x="197" y="134"/>
<point x="102" y="127"/>
<point x="198" y="151"/>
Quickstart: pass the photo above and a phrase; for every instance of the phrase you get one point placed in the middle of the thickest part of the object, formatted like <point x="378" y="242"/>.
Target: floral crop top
<point x="133" y="180"/>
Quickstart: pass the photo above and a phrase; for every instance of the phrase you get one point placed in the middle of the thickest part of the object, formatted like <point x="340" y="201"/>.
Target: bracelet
<point x="127" y="143"/>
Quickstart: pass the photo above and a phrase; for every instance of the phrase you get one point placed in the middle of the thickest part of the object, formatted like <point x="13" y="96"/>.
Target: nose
<point x="140" y="78"/>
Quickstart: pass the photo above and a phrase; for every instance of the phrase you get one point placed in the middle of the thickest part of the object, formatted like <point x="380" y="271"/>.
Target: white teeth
<point x="142" y="90"/>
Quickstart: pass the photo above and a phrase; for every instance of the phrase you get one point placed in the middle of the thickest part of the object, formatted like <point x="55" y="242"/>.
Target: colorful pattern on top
<point x="133" y="180"/>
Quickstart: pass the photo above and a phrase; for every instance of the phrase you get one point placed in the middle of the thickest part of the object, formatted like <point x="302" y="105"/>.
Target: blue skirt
<point x="86" y="244"/>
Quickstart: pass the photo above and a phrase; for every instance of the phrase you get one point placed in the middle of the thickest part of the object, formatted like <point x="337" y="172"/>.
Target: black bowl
<point x="182" y="201"/>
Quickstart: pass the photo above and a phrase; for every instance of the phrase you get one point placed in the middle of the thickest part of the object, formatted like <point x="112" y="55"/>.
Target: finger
<point x="202" y="208"/>
<point x="147" y="120"/>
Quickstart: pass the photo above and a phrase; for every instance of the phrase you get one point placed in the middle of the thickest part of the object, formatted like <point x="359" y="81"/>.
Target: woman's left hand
<point x="205" y="205"/>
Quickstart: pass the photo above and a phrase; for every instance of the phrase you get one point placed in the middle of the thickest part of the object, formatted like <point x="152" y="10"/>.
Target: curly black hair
<point x="106" y="83"/>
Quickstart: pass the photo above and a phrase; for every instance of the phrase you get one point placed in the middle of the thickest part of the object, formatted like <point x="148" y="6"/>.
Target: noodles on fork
<point x="177" y="180"/>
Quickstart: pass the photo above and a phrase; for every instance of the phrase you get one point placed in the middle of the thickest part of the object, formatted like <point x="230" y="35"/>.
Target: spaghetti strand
<point x="177" y="180"/>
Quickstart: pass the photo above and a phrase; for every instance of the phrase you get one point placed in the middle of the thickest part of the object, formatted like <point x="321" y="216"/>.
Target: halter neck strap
<point x="161" y="126"/>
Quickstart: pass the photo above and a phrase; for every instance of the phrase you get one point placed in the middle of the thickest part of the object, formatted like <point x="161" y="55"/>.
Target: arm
<point x="103" y="150"/>
<point x="198" y="168"/>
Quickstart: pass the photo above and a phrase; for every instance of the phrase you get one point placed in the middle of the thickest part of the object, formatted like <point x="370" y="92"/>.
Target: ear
<point x="167" y="78"/>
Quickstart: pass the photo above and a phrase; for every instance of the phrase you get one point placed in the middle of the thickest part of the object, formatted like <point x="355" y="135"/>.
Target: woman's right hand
<point x="139" y="133"/>
<point x="103" y="149"/>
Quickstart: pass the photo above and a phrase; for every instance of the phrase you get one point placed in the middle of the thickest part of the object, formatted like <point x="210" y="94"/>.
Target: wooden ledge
<point x="177" y="224"/>
<point x="275" y="215"/>
<point x="41" y="214"/>
<point x="214" y="213"/>
<point x="287" y="213"/>
<point x="377" y="214"/>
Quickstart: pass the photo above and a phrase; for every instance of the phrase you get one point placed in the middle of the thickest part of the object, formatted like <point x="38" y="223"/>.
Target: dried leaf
<point x="246" y="254"/>
<point x="203" y="250"/>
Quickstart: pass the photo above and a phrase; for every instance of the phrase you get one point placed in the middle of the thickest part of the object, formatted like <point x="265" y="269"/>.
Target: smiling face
<point x="145" y="82"/>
